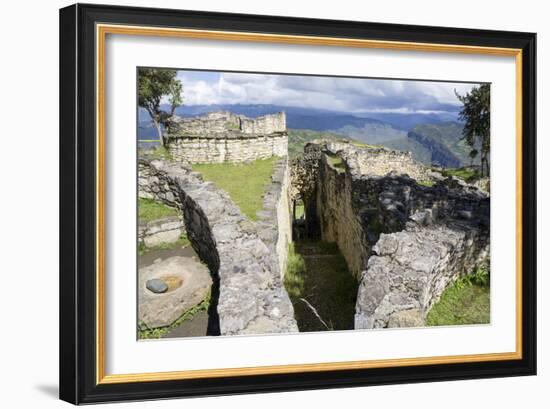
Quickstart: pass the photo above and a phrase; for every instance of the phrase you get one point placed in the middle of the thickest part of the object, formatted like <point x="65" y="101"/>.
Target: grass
<point x="299" y="210"/>
<point x="145" y="332"/>
<point x="467" y="301"/>
<point x="317" y="277"/>
<point x="467" y="174"/>
<point x="149" y="210"/>
<point x="428" y="183"/>
<point x="294" y="277"/>
<point x="244" y="182"/>
<point x="336" y="162"/>
<point x="183" y="241"/>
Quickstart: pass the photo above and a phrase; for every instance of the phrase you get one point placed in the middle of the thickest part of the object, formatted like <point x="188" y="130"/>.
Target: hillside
<point x="312" y="118"/>
<point x="439" y="153"/>
<point x="388" y="136"/>
<point x="448" y="134"/>
<point x="436" y="143"/>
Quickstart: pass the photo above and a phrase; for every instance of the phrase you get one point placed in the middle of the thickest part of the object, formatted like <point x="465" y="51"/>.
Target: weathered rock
<point x="406" y="318"/>
<point x="483" y="184"/>
<point x="156" y="285"/>
<point x="410" y="269"/>
<point x="161" y="231"/>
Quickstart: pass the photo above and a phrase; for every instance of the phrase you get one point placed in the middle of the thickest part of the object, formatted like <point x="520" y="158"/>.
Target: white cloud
<point x="333" y="93"/>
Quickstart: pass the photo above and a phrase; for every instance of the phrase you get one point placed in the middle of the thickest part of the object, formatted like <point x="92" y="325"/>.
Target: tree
<point x="153" y="86"/>
<point x="476" y="112"/>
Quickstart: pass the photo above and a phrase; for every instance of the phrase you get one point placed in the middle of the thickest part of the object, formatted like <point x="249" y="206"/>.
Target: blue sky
<point x="352" y="95"/>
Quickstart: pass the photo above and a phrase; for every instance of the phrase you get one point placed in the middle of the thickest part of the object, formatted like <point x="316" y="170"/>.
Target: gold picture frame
<point x="94" y="384"/>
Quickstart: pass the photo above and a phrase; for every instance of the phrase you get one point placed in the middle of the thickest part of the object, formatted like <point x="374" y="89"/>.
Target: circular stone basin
<point x="190" y="283"/>
<point x="173" y="282"/>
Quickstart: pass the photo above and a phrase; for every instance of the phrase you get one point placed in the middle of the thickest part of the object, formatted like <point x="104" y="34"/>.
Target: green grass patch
<point x="294" y="277"/>
<point x="336" y="162"/>
<point x="467" y="301"/>
<point x="318" y="277"/>
<point x="145" y="332"/>
<point x="183" y="241"/>
<point x="428" y="183"/>
<point x="467" y="174"/>
<point x="245" y="182"/>
<point x="149" y="210"/>
<point x="299" y="210"/>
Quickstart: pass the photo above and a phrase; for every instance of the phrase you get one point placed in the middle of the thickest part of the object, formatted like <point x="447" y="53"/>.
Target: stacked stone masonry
<point x="222" y="136"/>
<point x="404" y="241"/>
<point x="157" y="232"/>
<point x="247" y="269"/>
<point x="274" y="222"/>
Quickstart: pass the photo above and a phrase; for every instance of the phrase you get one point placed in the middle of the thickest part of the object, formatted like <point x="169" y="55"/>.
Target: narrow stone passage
<point x="324" y="294"/>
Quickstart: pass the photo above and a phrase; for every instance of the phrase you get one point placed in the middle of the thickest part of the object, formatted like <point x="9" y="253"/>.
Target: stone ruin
<point x="222" y="136"/>
<point x="406" y="232"/>
<point x="405" y="241"/>
<point x="246" y="259"/>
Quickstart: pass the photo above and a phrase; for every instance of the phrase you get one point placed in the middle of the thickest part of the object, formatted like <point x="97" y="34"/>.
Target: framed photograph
<point x="257" y="203"/>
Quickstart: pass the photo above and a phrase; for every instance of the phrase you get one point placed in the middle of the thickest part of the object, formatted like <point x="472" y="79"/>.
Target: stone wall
<point x="252" y="298"/>
<point x="150" y="186"/>
<point x="339" y="219"/>
<point x="410" y="269"/>
<point x="225" y="137"/>
<point x="218" y="150"/>
<point x="157" y="232"/>
<point x="274" y="221"/>
<point x="370" y="161"/>
<point x="405" y="241"/>
<point x="264" y="125"/>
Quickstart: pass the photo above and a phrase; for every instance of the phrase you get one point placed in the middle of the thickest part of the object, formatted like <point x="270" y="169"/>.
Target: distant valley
<point x="431" y="138"/>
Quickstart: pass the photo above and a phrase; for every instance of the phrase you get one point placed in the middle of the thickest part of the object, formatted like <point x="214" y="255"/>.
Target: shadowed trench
<point x="321" y="288"/>
<point x="323" y="291"/>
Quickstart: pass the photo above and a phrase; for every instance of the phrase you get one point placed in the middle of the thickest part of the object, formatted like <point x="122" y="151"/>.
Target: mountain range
<point x="434" y="138"/>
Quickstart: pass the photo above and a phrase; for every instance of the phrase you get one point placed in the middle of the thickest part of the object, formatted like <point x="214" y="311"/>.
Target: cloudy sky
<point x="353" y="95"/>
